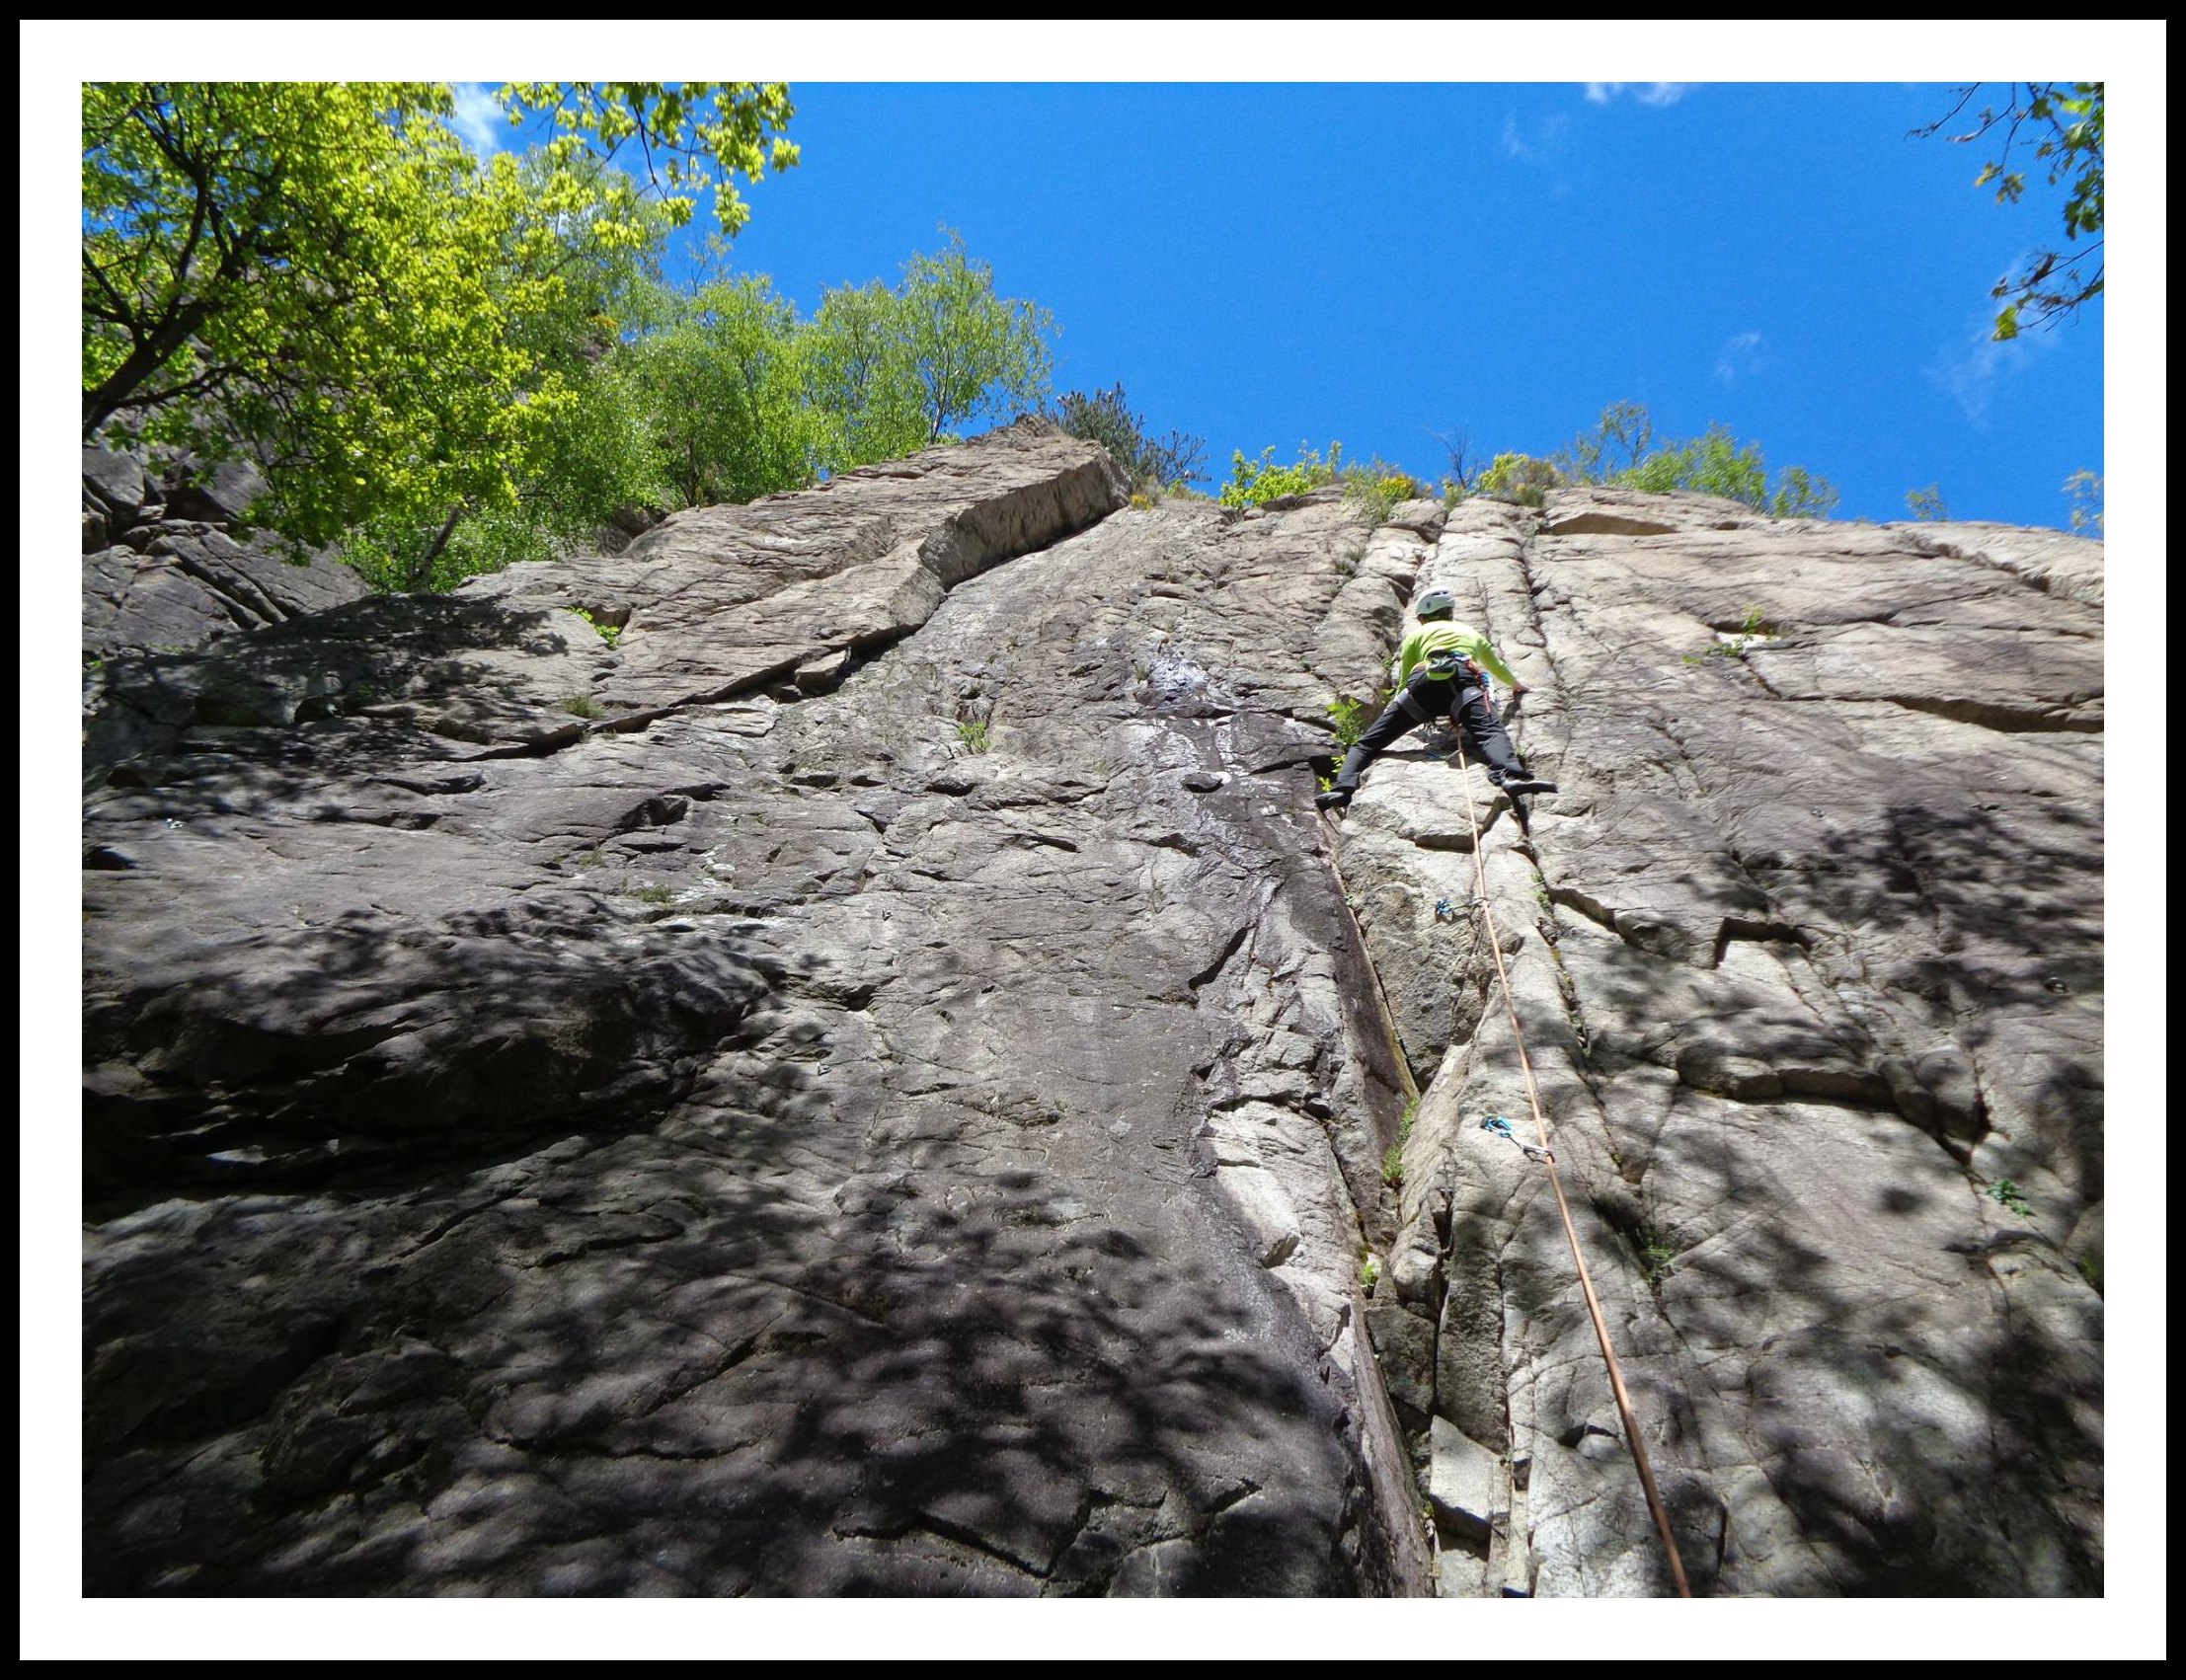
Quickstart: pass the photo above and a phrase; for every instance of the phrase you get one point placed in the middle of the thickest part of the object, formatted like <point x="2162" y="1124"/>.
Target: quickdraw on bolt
<point x="1502" y="1128"/>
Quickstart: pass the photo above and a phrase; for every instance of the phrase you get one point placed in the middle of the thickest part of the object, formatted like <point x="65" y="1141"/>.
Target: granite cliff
<point x="830" y="1052"/>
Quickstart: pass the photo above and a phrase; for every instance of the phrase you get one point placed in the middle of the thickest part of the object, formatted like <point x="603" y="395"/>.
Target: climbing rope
<point x="1409" y="1085"/>
<point x="1546" y="1158"/>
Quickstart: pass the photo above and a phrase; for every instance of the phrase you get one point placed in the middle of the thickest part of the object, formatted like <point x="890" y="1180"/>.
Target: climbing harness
<point x="1496" y="1124"/>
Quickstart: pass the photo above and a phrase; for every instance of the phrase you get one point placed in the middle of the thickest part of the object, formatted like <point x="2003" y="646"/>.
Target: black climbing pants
<point x="1426" y="700"/>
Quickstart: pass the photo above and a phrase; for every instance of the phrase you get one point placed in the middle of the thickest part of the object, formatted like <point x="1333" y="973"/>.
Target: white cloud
<point x="1550" y="140"/>
<point x="1740" y="355"/>
<point x="1970" y="377"/>
<point x="1656" y="93"/>
<point x="479" y="118"/>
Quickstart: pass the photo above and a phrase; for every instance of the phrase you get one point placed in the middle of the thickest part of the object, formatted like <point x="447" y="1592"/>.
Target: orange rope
<point x="1563" y="1207"/>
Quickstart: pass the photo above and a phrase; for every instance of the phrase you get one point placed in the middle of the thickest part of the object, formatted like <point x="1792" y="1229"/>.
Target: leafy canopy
<point x="325" y="275"/>
<point x="725" y="385"/>
<point x="970" y="352"/>
<point x="719" y="391"/>
<point x="2062" y="123"/>
<point x="691" y="138"/>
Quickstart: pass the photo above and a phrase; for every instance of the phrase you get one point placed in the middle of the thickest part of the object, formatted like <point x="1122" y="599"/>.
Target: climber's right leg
<point x="1406" y="712"/>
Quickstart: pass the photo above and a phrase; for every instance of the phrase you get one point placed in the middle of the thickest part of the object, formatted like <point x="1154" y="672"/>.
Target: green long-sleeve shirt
<point x="1458" y="638"/>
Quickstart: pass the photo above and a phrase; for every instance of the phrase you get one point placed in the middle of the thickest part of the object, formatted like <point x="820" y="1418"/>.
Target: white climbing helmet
<point x="1434" y="603"/>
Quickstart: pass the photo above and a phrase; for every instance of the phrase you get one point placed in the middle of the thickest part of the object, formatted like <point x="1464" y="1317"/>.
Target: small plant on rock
<point x="611" y="634"/>
<point x="2012" y="1199"/>
<point x="973" y="732"/>
<point x="582" y="706"/>
<point x="2085" y="488"/>
<point x="1352" y="719"/>
<point x="1393" y="1165"/>
<point x="1375" y="492"/>
<point x="1658" y="1255"/>
<point x="1928" y="503"/>
<point x="1751" y="625"/>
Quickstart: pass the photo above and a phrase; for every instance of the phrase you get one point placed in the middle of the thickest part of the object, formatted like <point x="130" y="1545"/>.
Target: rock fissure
<point x="1819" y="1049"/>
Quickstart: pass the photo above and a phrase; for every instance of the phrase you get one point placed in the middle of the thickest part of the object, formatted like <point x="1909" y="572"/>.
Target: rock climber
<point x="1442" y="671"/>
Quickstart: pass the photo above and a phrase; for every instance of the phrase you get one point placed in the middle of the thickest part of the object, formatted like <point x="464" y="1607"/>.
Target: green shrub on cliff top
<point x="1371" y="488"/>
<point x="1715" y="464"/>
<point x="1253" y="484"/>
<point x="1523" y="478"/>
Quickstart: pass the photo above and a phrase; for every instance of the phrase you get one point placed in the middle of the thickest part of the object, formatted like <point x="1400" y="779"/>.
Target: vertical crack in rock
<point x="1817" y="930"/>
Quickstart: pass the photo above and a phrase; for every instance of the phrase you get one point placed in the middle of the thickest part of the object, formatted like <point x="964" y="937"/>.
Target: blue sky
<point x="1381" y="263"/>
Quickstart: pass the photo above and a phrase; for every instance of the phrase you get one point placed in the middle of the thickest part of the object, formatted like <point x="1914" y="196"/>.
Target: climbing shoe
<point x="1526" y="784"/>
<point x="1334" y="799"/>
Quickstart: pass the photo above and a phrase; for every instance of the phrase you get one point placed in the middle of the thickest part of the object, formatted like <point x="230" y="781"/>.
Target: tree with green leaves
<point x="900" y="367"/>
<point x="324" y="276"/>
<point x="968" y="353"/>
<point x="691" y="138"/>
<point x="726" y="385"/>
<point x="1622" y="439"/>
<point x="226" y="223"/>
<point x="859" y="365"/>
<point x="2061" y="124"/>
<point x="1928" y="503"/>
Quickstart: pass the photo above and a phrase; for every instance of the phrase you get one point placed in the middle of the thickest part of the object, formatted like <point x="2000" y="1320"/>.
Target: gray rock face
<point x="165" y="570"/>
<point x="1808" y="959"/>
<point x="116" y="481"/>
<point x="909" y="1138"/>
<point x="863" y="1079"/>
<point x="174" y="586"/>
